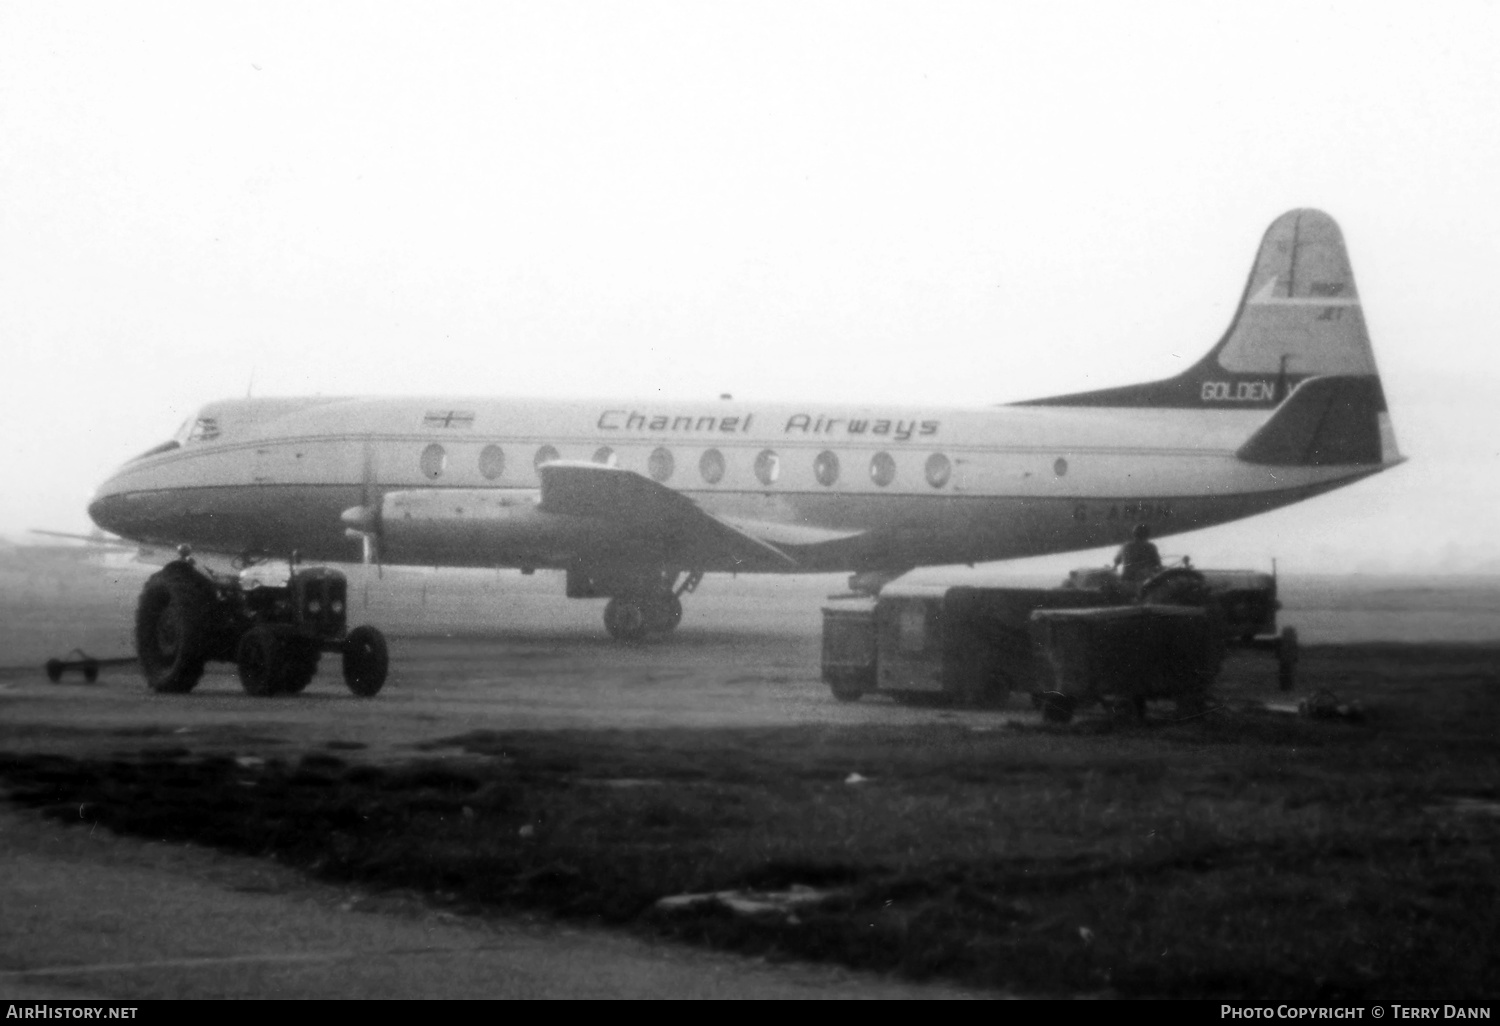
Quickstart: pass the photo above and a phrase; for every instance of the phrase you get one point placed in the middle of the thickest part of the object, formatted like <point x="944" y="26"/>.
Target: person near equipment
<point x="1138" y="558"/>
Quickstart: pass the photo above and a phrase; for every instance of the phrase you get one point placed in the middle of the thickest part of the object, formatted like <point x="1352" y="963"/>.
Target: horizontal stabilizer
<point x="1325" y="421"/>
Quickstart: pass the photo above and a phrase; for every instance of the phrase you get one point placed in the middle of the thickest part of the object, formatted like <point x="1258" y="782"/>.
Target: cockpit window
<point x="197" y="429"/>
<point x="157" y="450"/>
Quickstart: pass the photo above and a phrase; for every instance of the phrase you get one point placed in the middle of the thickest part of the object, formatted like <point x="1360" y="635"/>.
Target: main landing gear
<point x="634" y="617"/>
<point x="275" y="634"/>
<point x="645" y="607"/>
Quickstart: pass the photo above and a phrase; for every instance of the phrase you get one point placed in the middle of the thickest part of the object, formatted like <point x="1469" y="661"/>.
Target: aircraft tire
<point x="367" y="661"/>
<point x="262" y="659"/>
<point x="625" y="618"/>
<point x="663" y="615"/>
<point x="172" y="625"/>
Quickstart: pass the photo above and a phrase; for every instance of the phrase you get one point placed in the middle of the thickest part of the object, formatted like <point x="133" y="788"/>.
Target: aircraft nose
<point x="105" y="512"/>
<point x="108" y="508"/>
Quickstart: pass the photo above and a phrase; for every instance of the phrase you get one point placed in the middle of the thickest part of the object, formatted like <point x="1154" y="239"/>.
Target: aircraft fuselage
<point x="843" y="488"/>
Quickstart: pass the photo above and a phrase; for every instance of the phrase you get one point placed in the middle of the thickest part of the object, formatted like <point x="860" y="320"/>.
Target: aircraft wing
<point x="625" y="499"/>
<point x="98" y="540"/>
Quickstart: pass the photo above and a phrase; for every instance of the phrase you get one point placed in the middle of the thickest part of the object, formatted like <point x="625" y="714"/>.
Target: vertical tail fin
<point x="1300" y="317"/>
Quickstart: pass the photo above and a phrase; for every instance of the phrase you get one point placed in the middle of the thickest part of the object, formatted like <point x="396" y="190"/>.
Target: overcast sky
<point x="930" y="203"/>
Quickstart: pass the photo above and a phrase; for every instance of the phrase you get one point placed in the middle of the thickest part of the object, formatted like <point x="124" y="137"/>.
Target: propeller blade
<point x="363" y="521"/>
<point x="374" y="542"/>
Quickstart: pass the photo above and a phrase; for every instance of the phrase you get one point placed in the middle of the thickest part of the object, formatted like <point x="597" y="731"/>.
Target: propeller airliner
<point x="637" y="500"/>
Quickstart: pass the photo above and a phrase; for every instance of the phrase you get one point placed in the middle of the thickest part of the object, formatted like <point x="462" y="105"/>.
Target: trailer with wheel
<point x="954" y="644"/>
<point x="1125" y="655"/>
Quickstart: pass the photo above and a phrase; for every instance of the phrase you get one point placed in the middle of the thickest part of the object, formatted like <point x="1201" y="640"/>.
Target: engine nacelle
<point x="446" y="525"/>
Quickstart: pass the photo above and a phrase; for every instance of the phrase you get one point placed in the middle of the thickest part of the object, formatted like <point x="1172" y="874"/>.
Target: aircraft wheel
<point x="366" y="661"/>
<point x="663" y="615"/>
<point x="625" y="618"/>
<point x="1287" y="651"/>
<point x="262" y="660"/>
<point x="172" y="620"/>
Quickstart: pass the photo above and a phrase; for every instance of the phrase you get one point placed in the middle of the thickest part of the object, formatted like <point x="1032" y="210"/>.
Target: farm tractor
<point x="275" y="631"/>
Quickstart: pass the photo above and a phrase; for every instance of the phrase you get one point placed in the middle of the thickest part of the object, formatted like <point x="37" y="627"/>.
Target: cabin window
<point x="711" y="466"/>
<point x="882" y="468"/>
<point x="1060" y="468"/>
<point x="205" y="429"/>
<point x="434" y="461"/>
<point x="660" y="464"/>
<point x="939" y="469"/>
<point x="605" y="455"/>
<point x="826" y="468"/>
<point x="546" y="454"/>
<point x="491" y="462"/>
<point x="767" y="467"/>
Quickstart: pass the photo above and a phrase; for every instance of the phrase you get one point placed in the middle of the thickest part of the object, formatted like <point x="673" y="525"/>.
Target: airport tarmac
<point x="102" y="916"/>
<point x="88" y="914"/>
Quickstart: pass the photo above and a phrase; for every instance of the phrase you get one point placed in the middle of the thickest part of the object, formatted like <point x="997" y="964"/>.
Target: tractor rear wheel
<point x="173" y="621"/>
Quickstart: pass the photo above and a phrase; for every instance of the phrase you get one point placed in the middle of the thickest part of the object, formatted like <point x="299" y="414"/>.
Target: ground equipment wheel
<point x="301" y="666"/>
<point x="262" y="660"/>
<point x="848" y="687"/>
<point x="1057" y="707"/>
<point x="366" y="661"/>
<point x="625" y="618"/>
<point x="1287" y="652"/>
<point x="172" y="624"/>
<point x="1192" y="703"/>
<point x="663" y="615"/>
